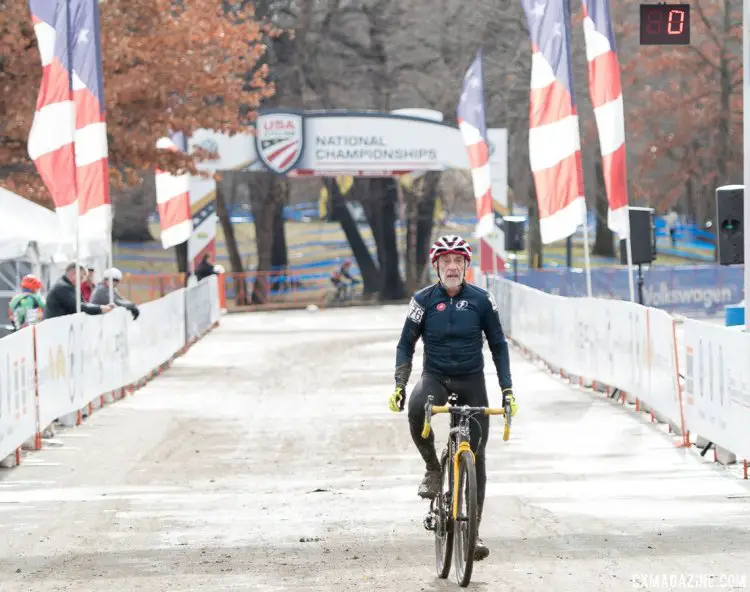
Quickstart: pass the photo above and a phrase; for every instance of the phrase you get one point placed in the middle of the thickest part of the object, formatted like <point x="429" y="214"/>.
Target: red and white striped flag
<point x="173" y="202"/>
<point x="554" y="138"/>
<point x="68" y="138"/>
<point x="471" y="122"/>
<point x="473" y="126"/>
<point x="606" y="97"/>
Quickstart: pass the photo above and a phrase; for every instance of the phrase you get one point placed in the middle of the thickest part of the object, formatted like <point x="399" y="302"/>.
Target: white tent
<point x="22" y="222"/>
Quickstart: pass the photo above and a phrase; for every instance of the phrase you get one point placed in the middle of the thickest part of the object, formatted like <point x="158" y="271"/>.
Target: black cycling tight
<point x="469" y="390"/>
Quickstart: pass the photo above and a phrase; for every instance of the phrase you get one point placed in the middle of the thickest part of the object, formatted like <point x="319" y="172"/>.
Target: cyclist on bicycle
<point x="451" y="316"/>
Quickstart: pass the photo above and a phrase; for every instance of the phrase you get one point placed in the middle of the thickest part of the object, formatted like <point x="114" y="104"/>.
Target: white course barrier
<point x="82" y="359"/>
<point x="617" y="344"/>
<point x="717" y="385"/>
<point x="157" y="335"/>
<point x="17" y="397"/>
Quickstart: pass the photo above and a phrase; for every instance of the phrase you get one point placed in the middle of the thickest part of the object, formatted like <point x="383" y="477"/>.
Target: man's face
<point x="72" y="276"/>
<point x="451" y="268"/>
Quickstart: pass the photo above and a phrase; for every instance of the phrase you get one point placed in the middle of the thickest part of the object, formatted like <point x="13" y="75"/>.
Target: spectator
<point x="670" y="221"/>
<point x="27" y="307"/>
<point x="206" y="268"/>
<point x="101" y="292"/>
<point x="87" y="287"/>
<point x="61" y="299"/>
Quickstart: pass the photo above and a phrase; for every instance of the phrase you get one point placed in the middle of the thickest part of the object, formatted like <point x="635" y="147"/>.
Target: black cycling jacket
<point x="451" y="329"/>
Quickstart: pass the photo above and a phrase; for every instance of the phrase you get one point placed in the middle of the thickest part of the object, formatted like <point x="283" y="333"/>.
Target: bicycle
<point x="456" y="533"/>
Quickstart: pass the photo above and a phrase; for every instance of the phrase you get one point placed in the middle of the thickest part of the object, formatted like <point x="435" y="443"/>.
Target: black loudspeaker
<point x="513" y="227"/>
<point x="642" y="237"/>
<point x="730" y="223"/>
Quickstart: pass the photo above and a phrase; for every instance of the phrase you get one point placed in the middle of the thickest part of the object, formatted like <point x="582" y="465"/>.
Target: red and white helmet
<point x="450" y="243"/>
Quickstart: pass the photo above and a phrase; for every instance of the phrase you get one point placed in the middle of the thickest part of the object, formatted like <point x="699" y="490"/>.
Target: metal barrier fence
<point x="237" y="290"/>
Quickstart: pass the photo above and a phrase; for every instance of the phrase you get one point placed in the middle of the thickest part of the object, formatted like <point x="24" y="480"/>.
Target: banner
<point x="699" y="289"/>
<point x="78" y="358"/>
<point x="359" y="143"/>
<point x="198" y="307"/>
<point x="60" y="367"/>
<point x="17" y="399"/>
<point x="157" y="335"/>
<point x="615" y="343"/>
<point x="717" y="385"/>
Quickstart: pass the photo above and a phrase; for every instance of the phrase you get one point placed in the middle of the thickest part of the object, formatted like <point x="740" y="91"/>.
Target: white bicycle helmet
<point x="112" y="273"/>
<point x="450" y="243"/>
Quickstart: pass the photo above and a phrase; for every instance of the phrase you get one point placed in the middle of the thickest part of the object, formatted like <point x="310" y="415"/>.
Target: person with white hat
<point x="101" y="292"/>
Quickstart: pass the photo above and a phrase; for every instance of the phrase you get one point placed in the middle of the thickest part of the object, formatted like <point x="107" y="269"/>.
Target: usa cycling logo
<point x="279" y="139"/>
<point x="461" y="304"/>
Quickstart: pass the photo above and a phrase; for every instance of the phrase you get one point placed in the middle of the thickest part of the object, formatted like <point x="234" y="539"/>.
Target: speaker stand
<point x="640" y="284"/>
<point x="515" y="268"/>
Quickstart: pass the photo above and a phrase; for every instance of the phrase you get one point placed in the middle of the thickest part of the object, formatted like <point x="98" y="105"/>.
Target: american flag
<point x="173" y="198"/>
<point x="554" y="138"/>
<point x="472" y="123"/>
<point x="68" y="137"/>
<point x="606" y="97"/>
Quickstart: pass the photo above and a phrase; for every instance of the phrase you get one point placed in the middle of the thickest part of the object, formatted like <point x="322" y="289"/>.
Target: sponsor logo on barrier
<point x="663" y="296"/>
<point x="72" y="378"/>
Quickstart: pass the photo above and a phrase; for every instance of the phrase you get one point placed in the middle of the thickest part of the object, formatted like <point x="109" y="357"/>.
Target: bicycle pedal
<point x="429" y="522"/>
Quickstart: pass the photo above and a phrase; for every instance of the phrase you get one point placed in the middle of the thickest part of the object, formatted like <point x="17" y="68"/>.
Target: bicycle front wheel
<point x="465" y="525"/>
<point x="444" y="520"/>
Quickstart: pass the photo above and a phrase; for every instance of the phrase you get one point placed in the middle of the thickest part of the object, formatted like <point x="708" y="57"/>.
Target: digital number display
<point x="665" y="24"/>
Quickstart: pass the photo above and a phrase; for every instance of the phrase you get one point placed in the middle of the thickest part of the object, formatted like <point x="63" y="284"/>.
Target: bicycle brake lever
<point x="508" y="418"/>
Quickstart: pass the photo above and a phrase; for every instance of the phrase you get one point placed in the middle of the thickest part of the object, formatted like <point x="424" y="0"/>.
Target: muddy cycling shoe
<point x="430" y="486"/>
<point x="480" y="550"/>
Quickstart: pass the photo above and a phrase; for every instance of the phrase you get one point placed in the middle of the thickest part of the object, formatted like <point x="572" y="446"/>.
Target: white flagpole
<point x="110" y="265"/>
<point x="78" y="273"/>
<point x="746" y="150"/>
<point x="629" y="250"/>
<point x="587" y="263"/>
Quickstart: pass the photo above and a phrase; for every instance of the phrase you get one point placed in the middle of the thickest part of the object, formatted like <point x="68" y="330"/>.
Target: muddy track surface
<point x="267" y="459"/>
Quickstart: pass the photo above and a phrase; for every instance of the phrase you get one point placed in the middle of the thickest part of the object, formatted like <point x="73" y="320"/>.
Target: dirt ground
<point x="267" y="459"/>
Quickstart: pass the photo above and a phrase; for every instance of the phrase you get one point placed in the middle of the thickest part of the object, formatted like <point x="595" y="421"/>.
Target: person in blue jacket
<point x="451" y="316"/>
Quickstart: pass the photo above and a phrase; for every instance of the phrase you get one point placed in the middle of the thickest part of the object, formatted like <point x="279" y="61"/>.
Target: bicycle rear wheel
<point x="465" y="526"/>
<point x="444" y="522"/>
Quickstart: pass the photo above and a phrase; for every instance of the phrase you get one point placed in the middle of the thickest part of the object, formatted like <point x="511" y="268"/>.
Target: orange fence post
<point x="222" y="291"/>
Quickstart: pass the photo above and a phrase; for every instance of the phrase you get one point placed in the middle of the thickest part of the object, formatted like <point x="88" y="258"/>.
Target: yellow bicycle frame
<point x="462" y="447"/>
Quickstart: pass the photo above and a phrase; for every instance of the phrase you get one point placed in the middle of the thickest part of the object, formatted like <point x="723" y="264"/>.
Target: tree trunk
<point x="422" y="197"/>
<point x="131" y="207"/>
<point x="225" y="188"/>
<point x="392" y="286"/>
<point x="409" y="199"/>
<point x="535" y="233"/>
<point x="368" y="269"/>
<point x="181" y="255"/>
<point x="267" y="196"/>
<point x="379" y="198"/>
<point x="604" y="242"/>
<point x="279" y="253"/>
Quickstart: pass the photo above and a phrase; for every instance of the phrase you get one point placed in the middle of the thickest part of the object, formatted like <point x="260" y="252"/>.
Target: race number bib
<point x="416" y="312"/>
